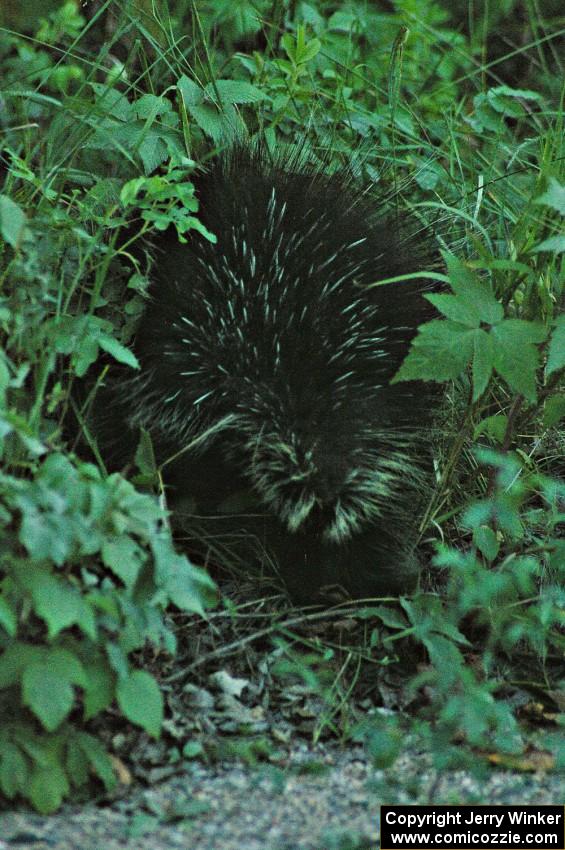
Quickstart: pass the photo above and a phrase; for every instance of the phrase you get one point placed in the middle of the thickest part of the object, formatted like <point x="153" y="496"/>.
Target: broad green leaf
<point x="46" y="534"/>
<point x="150" y="105"/>
<point x="440" y="352"/>
<point x="12" y="221"/>
<point x="59" y="604"/>
<point x="455" y="308"/>
<point x="15" y="658"/>
<point x="556" y="352"/>
<point x="192" y="94"/>
<point x="99" y="687"/>
<point x="186" y="586"/>
<point x="141" y="701"/>
<point x="47" y="686"/>
<point x="48" y="694"/>
<point x="14" y="770"/>
<point x="472" y="292"/>
<point x="486" y="542"/>
<point x="516" y="358"/>
<point x="124" y="557"/>
<point x="48" y="788"/>
<point x="235" y="91"/>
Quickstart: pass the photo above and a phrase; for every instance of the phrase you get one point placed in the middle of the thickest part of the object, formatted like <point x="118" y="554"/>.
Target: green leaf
<point x="14" y="770"/>
<point x="516" y="359"/>
<point x="184" y="585"/>
<point x="474" y="295"/>
<point x="59" y="604"/>
<point x="554" y="410"/>
<point x="118" y="351"/>
<point x="48" y="788"/>
<point x="440" y="352"/>
<point x="49" y="695"/>
<point x="556" y="352"/>
<point x="98" y="759"/>
<point x="149" y="106"/>
<point x="455" y="308"/>
<point x="124" y="557"/>
<point x="8" y="619"/>
<point x="192" y="94"/>
<point x="391" y="617"/>
<point x="15" y="658"/>
<point x="12" y="221"/>
<point x="495" y="426"/>
<point x="47" y="686"/>
<point x="483" y="362"/>
<point x="554" y="196"/>
<point x="234" y="91"/>
<point x="555" y="244"/>
<point x="99" y="687"/>
<point x="141" y="701"/>
<point x="486" y="542"/>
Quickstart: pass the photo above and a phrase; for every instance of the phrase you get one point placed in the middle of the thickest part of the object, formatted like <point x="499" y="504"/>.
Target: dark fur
<point x="270" y="356"/>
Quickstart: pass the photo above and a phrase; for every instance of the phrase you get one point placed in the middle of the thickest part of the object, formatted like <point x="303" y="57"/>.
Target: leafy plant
<point x="99" y="150"/>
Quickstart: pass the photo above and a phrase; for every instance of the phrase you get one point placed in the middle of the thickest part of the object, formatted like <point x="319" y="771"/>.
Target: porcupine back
<point x="279" y="346"/>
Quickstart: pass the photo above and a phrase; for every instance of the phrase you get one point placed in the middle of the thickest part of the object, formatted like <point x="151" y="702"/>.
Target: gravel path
<point x="328" y="799"/>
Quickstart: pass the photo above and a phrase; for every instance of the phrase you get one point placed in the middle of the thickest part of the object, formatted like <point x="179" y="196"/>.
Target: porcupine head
<point x="268" y="358"/>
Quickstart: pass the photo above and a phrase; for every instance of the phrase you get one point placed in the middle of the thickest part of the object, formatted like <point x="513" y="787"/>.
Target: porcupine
<point x="266" y="362"/>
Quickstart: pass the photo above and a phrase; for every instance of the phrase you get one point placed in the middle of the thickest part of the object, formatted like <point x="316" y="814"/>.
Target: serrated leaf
<point x="440" y="352"/>
<point x="556" y="351"/>
<point x="151" y="105"/>
<point x="141" y="701"/>
<point x="192" y="94"/>
<point x="456" y="309"/>
<point x="118" y="351"/>
<point x="153" y="151"/>
<point x="234" y="91"/>
<point x="472" y="292"/>
<point x="516" y="359"/>
<point x="12" y="221"/>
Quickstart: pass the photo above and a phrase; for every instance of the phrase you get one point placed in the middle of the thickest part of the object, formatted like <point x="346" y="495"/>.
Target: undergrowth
<point x="104" y="121"/>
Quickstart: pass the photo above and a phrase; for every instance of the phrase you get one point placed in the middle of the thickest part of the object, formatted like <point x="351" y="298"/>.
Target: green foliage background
<point x="455" y="112"/>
